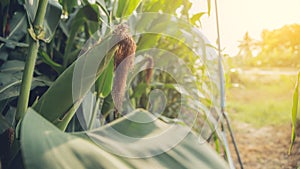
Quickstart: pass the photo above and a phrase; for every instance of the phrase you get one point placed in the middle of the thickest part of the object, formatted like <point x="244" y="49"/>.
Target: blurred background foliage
<point x="276" y="48"/>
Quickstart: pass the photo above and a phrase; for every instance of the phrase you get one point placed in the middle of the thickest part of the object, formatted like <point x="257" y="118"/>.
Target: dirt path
<point x="266" y="147"/>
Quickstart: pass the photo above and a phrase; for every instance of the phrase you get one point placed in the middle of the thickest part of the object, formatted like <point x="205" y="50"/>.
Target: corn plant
<point x="46" y="89"/>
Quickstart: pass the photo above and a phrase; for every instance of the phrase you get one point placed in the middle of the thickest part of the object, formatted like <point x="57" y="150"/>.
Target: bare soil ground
<point x="266" y="147"/>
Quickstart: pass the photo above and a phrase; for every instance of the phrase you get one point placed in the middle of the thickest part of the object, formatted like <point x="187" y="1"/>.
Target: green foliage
<point x="126" y="8"/>
<point x="104" y="83"/>
<point x="54" y="149"/>
<point x="294" y="113"/>
<point x="18" y="26"/>
<point x="60" y="111"/>
<point x="37" y="31"/>
<point x="51" y="18"/>
<point x="196" y="18"/>
<point x="56" y="38"/>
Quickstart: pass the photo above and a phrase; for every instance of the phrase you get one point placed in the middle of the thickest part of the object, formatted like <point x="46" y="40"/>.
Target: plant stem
<point x="97" y="107"/>
<point x="30" y="61"/>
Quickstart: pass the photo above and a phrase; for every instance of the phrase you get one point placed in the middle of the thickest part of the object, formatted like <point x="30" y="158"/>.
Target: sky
<point x="236" y="17"/>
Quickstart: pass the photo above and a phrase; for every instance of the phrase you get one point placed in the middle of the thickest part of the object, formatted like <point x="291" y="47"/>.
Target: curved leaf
<point x="44" y="146"/>
<point x="10" y="83"/>
<point x="19" y="30"/>
<point x="294" y="112"/>
<point x="31" y="7"/>
<point x="62" y="99"/>
<point x="126" y="7"/>
<point x="46" y="58"/>
<point x="52" y="18"/>
<point x="86" y="14"/>
<point x="196" y="17"/>
<point x="12" y="66"/>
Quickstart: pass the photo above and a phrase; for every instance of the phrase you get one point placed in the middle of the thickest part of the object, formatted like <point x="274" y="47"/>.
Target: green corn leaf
<point x="88" y="13"/>
<point x="59" y="103"/>
<point x="31" y="9"/>
<point x="19" y="30"/>
<point x="68" y="5"/>
<point x="121" y="5"/>
<point x="44" y="146"/>
<point x="68" y="153"/>
<point x="294" y="113"/>
<point x="145" y="43"/>
<point x="295" y="101"/>
<point x="102" y="4"/>
<point x="12" y="66"/>
<point x="52" y="19"/>
<point x="126" y="8"/>
<point x="13" y="43"/>
<point x="11" y="81"/>
<point x="104" y="83"/>
<point x="197" y="17"/>
<point x="139" y="90"/>
<point x="46" y="58"/>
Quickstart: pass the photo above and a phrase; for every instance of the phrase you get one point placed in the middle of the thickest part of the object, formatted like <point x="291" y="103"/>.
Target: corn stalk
<point x="31" y="59"/>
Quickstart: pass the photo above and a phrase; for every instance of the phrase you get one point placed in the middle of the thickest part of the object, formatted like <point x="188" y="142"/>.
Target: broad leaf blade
<point x="47" y="147"/>
<point x="31" y="7"/>
<point x="126" y="8"/>
<point x="104" y="83"/>
<point x="52" y="18"/>
<point x="62" y="99"/>
<point x="19" y="29"/>
<point x="86" y="14"/>
<point x="12" y="66"/>
<point x="11" y="82"/>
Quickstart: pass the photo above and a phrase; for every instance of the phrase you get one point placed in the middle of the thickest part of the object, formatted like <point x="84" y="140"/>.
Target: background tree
<point x="246" y="47"/>
<point x="277" y="48"/>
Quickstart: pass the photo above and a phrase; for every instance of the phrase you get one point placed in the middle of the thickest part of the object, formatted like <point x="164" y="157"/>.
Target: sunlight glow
<point x="239" y="16"/>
